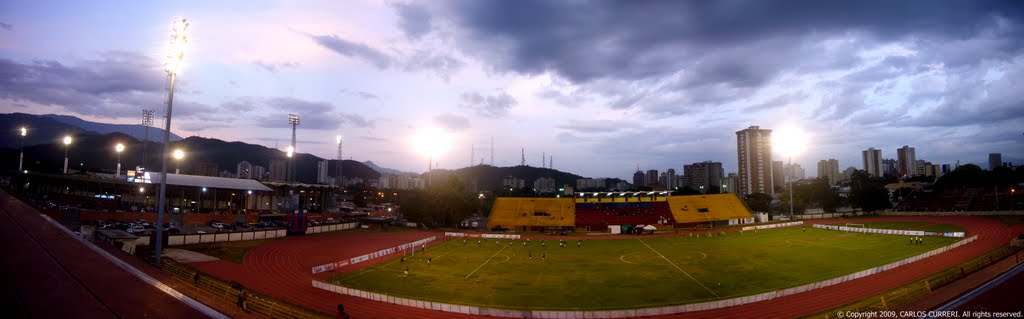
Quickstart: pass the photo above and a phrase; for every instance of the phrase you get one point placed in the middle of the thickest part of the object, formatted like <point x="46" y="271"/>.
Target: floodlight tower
<point x="147" y="121"/>
<point x="118" y="148"/>
<point x="21" y="151"/>
<point x="293" y="120"/>
<point x="340" y="176"/>
<point x="67" y="145"/>
<point x="179" y="38"/>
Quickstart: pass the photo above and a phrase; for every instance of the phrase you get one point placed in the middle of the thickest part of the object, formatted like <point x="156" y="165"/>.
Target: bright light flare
<point x="291" y="150"/>
<point x="67" y="140"/>
<point x="119" y="148"/>
<point x="431" y="142"/>
<point x="176" y="50"/>
<point x="179" y="154"/>
<point x="24" y="131"/>
<point x="339" y="139"/>
<point x="789" y="141"/>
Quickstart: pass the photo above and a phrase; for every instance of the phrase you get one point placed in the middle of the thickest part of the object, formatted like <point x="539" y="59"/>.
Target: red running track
<point x="282" y="268"/>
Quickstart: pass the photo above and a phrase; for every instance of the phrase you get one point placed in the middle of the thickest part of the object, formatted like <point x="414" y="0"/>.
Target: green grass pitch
<point x="630" y="273"/>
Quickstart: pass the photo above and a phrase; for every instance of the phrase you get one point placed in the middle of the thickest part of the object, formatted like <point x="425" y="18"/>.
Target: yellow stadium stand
<point x="518" y="213"/>
<point x="707" y="208"/>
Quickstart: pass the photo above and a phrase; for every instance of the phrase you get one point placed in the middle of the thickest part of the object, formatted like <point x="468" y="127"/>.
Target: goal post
<point x="855" y="225"/>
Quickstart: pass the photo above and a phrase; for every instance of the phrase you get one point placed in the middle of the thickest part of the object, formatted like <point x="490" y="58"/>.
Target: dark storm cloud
<point x="414" y="19"/>
<point x="312" y="114"/>
<point x="488" y="105"/>
<point x="273" y="67"/>
<point x="627" y="39"/>
<point x="442" y="65"/>
<point x="354" y="50"/>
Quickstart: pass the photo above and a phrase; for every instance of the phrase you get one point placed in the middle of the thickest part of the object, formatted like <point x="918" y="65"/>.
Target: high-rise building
<point x="848" y="172"/>
<point x="671" y="179"/>
<point x="208" y="169"/>
<point x="590" y="183"/>
<point x="730" y="182"/>
<point x="512" y="181"/>
<point x="889" y="167"/>
<point x="872" y="161"/>
<point x="651" y="178"/>
<point x="638" y="178"/>
<point x="244" y="170"/>
<point x="703" y="176"/>
<point x="754" y="151"/>
<point x="906" y="161"/>
<point x="779" y="178"/>
<point x="321" y="172"/>
<point x="829" y="168"/>
<point x="995" y="160"/>
<point x="278" y="170"/>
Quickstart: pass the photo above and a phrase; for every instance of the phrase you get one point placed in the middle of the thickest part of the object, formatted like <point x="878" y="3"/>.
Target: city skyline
<point x="940" y="79"/>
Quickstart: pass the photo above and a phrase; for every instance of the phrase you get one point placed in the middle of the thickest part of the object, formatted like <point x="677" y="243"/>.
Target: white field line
<point x="680" y="269"/>
<point x="485" y="262"/>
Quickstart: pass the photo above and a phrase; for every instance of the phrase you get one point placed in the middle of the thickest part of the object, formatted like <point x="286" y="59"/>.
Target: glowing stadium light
<point x="789" y="141"/>
<point x="119" y="148"/>
<point x="291" y="151"/>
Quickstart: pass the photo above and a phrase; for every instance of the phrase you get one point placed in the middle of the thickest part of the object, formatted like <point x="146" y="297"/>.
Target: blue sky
<point x="601" y="85"/>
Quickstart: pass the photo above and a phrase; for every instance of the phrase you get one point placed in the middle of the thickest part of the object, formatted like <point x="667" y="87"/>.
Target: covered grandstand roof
<point x="212" y="182"/>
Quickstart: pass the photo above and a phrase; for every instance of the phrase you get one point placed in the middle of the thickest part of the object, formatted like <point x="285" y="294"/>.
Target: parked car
<point x="217" y="224"/>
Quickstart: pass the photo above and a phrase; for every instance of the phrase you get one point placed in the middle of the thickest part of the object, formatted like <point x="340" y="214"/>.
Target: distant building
<point x="620" y="186"/>
<point x="872" y="161"/>
<point x="208" y="169"/>
<point x="321" y="172"/>
<point x="590" y="183"/>
<point x="829" y="168"/>
<point x="226" y="174"/>
<point x="514" y="182"/>
<point x="906" y="161"/>
<point x="889" y="167"/>
<point x="730" y="182"/>
<point x="258" y="173"/>
<point x="544" y="185"/>
<point x="651" y="178"/>
<point x="995" y="160"/>
<point x="923" y="168"/>
<point x="848" y="173"/>
<point x="754" y="151"/>
<point x="793" y="172"/>
<point x="638" y="178"/>
<point x="278" y="170"/>
<point x="671" y="180"/>
<point x="946" y="169"/>
<point x="244" y="170"/>
<point x="779" y="178"/>
<point x="703" y="176"/>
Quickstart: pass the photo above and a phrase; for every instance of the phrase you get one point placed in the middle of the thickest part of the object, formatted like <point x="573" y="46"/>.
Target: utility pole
<point x="492" y="150"/>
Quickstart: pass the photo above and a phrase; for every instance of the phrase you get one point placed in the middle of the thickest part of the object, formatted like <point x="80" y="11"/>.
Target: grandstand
<point x="698" y="209"/>
<point x="532" y="213"/>
<point x="598" y="212"/>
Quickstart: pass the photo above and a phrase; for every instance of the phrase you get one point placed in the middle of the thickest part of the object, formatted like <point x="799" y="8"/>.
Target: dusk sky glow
<point x="600" y="85"/>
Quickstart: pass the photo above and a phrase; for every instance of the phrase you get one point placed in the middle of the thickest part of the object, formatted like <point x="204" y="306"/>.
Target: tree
<point x="868" y="193"/>
<point x="758" y="202"/>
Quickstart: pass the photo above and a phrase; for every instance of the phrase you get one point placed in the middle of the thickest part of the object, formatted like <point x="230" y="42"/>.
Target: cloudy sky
<point x="603" y="86"/>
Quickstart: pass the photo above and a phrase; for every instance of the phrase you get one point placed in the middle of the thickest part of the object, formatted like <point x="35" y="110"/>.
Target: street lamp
<point x="179" y="38"/>
<point x="790" y="142"/>
<point x="67" y="145"/>
<point x="21" y="151"/>
<point x="178" y="155"/>
<point x="119" y="148"/>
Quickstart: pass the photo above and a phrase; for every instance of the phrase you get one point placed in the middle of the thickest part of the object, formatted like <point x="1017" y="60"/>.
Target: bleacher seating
<point x="707" y="208"/>
<point x="546" y="212"/>
<point x="597" y="216"/>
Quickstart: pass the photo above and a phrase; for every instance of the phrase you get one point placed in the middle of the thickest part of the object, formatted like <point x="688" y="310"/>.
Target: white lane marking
<point x="485" y="262"/>
<point x="680" y="269"/>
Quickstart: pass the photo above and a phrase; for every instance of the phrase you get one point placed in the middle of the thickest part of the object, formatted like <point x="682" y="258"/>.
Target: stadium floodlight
<point x="21" y="151"/>
<point x="291" y="151"/>
<point x="178" y="155"/>
<point x="790" y="141"/>
<point x="175" y="56"/>
<point x="67" y="145"/>
<point x="118" y="148"/>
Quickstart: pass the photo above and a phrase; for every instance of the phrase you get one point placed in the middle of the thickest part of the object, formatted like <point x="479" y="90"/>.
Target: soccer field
<point x="630" y="273"/>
